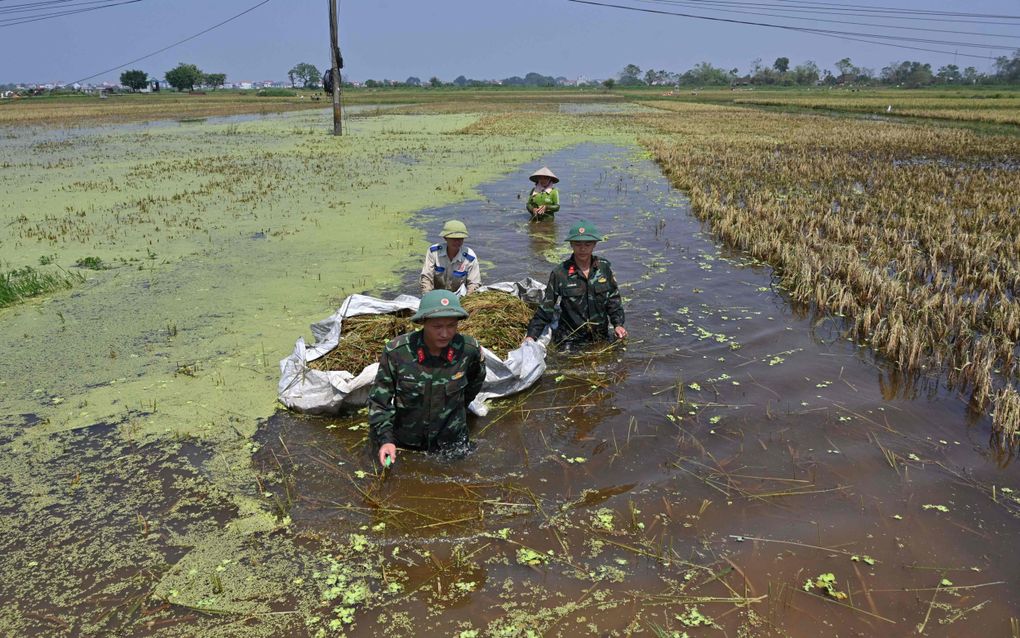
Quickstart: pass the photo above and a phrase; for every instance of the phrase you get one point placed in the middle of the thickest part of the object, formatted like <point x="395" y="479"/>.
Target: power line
<point x="179" y="42"/>
<point x="10" y="22"/>
<point x="874" y="9"/>
<point x="699" y="4"/>
<point x="43" y="6"/>
<point x="813" y="8"/>
<point x="868" y="38"/>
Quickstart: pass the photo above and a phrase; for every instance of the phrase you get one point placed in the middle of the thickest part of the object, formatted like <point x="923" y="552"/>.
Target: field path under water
<point x="734" y="451"/>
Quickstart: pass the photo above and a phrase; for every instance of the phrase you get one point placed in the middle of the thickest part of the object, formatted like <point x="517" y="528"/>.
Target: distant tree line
<point x="780" y="73"/>
<point x="181" y="77"/>
<point x="310" y="77"/>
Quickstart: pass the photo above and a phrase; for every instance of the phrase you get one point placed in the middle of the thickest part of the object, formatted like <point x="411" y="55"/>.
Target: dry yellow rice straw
<point x="497" y="320"/>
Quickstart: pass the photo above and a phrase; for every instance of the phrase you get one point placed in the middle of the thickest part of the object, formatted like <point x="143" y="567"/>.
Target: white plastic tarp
<point x="325" y="392"/>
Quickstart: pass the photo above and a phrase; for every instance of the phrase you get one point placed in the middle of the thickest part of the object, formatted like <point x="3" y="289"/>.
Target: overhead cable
<point x="179" y="42"/>
<point x="869" y="38"/>
<point x="896" y="27"/>
<point x="823" y="10"/>
<point x="10" y="22"/>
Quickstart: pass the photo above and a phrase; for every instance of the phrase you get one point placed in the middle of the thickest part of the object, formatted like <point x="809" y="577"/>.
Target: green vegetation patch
<point x="91" y="263"/>
<point x="23" y="283"/>
<point x="276" y="93"/>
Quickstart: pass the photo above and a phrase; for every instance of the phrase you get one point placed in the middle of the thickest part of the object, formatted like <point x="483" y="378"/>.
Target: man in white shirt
<point x="451" y="264"/>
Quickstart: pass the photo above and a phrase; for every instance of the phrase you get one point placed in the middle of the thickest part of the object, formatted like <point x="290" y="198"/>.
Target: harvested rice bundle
<point x="362" y="340"/>
<point x="499" y="321"/>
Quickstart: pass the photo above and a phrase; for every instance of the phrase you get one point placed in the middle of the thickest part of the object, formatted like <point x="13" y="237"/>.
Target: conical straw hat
<point x="544" y="172"/>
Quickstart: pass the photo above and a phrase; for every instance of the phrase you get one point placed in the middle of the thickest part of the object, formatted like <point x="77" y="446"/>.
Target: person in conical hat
<point x="425" y="381"/>
<point x="450" y="264"/>
<point x="543" y="199"/>
<point x="585" y="289"/>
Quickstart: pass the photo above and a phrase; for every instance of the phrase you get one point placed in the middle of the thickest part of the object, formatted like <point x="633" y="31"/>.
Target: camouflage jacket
<point x="587" y="305"/>
<point x="420" y="401"/>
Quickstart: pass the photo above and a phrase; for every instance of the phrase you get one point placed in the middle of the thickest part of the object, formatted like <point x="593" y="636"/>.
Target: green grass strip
<point x="23" y="283"/>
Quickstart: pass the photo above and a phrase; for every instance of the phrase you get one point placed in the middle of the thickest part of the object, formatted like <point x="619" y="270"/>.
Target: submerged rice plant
<point x="22" y="283"/>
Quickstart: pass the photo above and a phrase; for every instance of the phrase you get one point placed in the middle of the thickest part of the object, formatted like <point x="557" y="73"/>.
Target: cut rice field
<point x="780" y="447"/>
<point x="988" y="105"/>
<point x="909" y="233"/>
<point x="992" y="111"/>
<point x="74" y="111"/>
<point x="81" y="110"/>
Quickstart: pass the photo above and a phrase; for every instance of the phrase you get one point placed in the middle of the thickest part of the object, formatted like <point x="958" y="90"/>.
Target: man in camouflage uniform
<point x="589" y="299"/>
<point x="425" y="382"/>
<point x="450" y="264"/>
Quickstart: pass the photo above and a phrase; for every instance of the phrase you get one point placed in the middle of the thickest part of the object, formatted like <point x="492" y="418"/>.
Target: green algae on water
<point x="207" y="249"/>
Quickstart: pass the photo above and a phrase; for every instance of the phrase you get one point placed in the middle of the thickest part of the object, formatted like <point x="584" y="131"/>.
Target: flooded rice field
<point x="737" y="467"/>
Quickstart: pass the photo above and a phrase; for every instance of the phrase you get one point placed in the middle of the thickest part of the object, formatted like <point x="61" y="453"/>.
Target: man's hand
<point x="527" y="339"/>
<point x="621" y="332"/>
<point x="387" y="454"/>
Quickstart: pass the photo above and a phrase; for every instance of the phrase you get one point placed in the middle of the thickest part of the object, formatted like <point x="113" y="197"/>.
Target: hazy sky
<point x="481" y="39"/>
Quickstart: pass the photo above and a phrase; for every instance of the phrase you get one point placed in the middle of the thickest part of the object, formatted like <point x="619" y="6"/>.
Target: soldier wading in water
<point x="588" y="296"/>
<point x="425" y="382"/>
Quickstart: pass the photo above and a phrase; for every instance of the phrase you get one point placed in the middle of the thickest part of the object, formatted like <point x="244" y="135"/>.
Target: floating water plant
<point x="827" y="583"/>
<point x="694" y="618"/>
<point x="91" y="263"/>
<point x="528" y="556"/>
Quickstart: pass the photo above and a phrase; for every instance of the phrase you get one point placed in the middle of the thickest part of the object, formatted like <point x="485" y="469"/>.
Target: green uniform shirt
<point x="587" y="305"/>
<point x="421" y="401"/>
<point x="550" y="200"/>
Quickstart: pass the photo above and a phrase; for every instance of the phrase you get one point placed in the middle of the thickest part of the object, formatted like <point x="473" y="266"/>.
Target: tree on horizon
<point x="184" y="76"/>
<point x="134" y="79"/>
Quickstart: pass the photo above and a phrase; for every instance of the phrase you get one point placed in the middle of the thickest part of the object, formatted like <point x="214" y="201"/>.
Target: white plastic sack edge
<point x="324" y="392"/>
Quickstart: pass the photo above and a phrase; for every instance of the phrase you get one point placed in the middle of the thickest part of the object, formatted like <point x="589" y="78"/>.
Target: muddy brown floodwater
<point x="736" y="448"/>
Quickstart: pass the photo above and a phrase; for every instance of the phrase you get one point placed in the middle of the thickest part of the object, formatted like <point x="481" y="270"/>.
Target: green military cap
<point x="584" y="231"/>
<point x="453" y="229"/>
<point x="439" y="303"/>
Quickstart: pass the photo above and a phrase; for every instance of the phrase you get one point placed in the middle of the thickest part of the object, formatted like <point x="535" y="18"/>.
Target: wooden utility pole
<point x="335" y="71"/>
